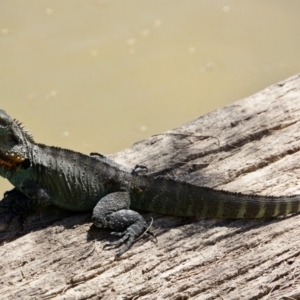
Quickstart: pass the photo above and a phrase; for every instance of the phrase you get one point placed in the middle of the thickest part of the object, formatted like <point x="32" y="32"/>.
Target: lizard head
<point x="14" y="141"/>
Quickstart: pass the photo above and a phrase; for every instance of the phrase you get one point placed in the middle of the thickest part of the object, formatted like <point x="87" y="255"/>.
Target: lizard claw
<point x="128" y="237"/>
<point x="117" y="242"/>
<point x="118" y="233"/>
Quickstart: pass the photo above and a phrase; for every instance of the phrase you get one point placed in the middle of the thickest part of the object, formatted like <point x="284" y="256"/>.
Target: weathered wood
<point x="251" y="146"/>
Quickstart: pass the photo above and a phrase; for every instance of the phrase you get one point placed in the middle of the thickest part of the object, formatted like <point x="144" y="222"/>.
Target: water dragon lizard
<point x="77" y="182"/>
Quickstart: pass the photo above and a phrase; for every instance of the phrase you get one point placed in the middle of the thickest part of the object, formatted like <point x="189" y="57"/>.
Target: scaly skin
<point x="78" y="182"/>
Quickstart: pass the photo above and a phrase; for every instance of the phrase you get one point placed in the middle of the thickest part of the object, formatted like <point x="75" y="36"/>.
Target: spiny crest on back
<point x="24" y="130"/>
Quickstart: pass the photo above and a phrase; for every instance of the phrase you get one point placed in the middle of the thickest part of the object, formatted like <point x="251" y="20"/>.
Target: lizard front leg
<point x="113" y="212"/>
<point x="20" y="204"/>
<point x="15" y="204"/>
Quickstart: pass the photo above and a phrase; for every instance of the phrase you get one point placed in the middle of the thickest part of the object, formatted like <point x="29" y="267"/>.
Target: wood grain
<point x="251" y="146"/>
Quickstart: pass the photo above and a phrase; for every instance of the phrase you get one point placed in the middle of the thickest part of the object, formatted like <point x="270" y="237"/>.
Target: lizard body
<point x="77" y="182"/>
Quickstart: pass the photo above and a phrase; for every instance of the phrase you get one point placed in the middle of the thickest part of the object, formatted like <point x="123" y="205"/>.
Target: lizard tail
<point x="177" y="198"/>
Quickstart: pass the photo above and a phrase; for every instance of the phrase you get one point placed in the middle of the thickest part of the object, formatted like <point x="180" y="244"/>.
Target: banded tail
<point x="177" y="198"/>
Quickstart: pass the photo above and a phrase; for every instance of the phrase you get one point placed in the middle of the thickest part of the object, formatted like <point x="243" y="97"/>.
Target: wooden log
<point x="250" y="146"/>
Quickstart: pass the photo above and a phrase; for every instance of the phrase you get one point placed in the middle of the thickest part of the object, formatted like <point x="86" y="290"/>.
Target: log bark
<point x="250" y="146"/>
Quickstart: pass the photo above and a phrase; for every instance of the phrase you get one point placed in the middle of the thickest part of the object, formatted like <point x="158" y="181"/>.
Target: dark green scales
<point x="78" y="182"/>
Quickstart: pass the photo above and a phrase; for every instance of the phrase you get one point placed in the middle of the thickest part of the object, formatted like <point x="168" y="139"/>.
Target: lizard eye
<point x="3" y="123"/>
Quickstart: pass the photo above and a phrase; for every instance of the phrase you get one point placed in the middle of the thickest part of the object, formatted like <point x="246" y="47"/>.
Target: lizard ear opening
<point x="26" y="164"/>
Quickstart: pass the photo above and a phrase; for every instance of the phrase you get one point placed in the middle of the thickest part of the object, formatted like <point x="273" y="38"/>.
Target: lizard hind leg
<point x="113" y="212"/>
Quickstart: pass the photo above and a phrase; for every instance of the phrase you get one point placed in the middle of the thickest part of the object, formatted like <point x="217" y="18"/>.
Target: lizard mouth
<point x="10" y="160"/>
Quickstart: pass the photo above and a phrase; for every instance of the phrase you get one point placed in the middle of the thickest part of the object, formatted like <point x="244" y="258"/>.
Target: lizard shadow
<point x="14" y="226"/>
<point x="176" y="229"/>
<point x="211" y="231"/>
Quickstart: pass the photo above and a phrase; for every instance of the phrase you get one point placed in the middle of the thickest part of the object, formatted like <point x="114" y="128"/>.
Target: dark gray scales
<point x="73" y="181"/>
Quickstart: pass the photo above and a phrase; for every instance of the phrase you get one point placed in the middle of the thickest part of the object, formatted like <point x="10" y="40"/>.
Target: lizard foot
<point x="128" y="237"/>
<point x="125" y="235"/>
